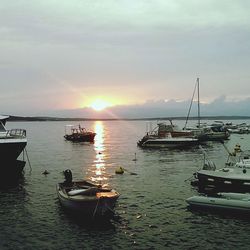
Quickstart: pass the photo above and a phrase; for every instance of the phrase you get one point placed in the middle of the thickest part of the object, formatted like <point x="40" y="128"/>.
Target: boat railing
<point x="16" y="133"/>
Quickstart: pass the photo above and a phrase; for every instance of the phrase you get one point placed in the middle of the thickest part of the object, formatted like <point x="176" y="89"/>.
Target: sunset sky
<point x="87" y="55"/>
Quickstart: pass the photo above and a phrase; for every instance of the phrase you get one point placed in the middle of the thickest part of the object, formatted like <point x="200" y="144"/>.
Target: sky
<point x="137" y="57"/>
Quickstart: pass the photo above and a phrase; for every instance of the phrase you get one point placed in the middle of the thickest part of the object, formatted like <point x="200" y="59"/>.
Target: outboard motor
<point x="68" y="176"/>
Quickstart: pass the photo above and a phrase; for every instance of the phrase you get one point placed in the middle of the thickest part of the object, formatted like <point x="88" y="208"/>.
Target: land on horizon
<point x="44" y="118"/>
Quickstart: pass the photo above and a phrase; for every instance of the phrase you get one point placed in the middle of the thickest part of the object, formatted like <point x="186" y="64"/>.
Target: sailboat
<point x="204" y="132"/>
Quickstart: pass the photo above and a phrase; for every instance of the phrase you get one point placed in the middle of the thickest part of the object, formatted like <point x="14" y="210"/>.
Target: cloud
<point x="160" y="109"/>
<point x="131" y="50"/>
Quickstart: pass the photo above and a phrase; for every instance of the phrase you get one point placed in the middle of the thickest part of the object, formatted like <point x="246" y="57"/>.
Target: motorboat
<point x="78" y="134"/>
<point x="234" y="175"/>
<point x="167" y="142"/>
<point x="86" y="198"/>
<point x="12" y="142"/>
<point x="167" y="135"/>
<point x="224" y="201"/>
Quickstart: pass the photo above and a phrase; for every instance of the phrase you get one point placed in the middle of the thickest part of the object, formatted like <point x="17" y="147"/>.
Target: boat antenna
<point x="190" y="106"/>
<point x="198" y="90"/>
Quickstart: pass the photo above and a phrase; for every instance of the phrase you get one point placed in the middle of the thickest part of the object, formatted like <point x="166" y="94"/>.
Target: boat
<point x="205" y="132"/>
<point x="78" y="134"/>
<point x="224" y="201"/>
<point x="167" y="135"/>
<point x="86" y="198"/>
<point x="163" y="129"/>
<point x="167" y="142"/>
<point x="12" y="142"/>
<point x="214" y="132"/>
<point x="242" y="128"/>
<point x="235" y="175"/>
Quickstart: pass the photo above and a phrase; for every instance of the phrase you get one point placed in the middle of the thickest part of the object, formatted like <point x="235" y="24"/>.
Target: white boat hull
<point x="169" y="143"/>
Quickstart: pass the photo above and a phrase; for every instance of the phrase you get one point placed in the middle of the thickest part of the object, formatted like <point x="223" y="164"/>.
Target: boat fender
<point x="119" y="170"/>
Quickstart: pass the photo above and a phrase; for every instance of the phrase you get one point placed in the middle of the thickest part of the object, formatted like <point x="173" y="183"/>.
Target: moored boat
<point x="204" y="132"/>
<point x="224" y="201"/>
<point x="12" y="142"/>
<point x="214" y="132"/>
<point x="167" y="142"/>
<point x="167" y="135"/>
<point x="78" y="134"/>
<point x="86" y="198"/>
<point x="234" y="175"/>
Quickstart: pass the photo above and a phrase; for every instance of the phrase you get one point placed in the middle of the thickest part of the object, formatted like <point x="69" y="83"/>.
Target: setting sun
<point x="99" y="105"/>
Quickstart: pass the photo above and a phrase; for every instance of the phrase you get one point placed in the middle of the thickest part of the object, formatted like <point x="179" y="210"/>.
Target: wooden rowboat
<point x="86" y="198"/>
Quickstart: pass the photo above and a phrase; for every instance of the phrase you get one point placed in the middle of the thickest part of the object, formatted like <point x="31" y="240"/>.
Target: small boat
<point x="224" y="201"/>
<point x="78" y="134"/>
<point x="86" y="198"/>
<point x="167" y="142"/>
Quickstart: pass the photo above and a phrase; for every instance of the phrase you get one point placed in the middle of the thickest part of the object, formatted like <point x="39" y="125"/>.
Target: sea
<point x="151" y="212"/>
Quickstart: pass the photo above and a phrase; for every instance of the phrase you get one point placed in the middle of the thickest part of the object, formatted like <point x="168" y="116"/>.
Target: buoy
<point x="119" y="170"/>
<point x="45" y="172"/>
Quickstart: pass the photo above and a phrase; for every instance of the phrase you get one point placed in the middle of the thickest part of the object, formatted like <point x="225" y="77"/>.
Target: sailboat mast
<point x="190" y="107"/>
<point x="198" y="90"/>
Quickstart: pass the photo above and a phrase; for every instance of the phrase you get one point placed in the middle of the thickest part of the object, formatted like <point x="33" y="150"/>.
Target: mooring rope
<point x="96" y="208"/>
<point x="28" y="158"/>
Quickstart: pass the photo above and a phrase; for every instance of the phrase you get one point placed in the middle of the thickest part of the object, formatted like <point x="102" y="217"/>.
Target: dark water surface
<point x="152" y="210"/>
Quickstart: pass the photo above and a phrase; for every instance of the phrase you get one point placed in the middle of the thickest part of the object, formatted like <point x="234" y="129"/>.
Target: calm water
<point x="152" y="209"/>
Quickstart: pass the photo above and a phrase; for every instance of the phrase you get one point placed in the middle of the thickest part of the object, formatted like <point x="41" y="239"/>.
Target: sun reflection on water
<point x="98" y="170"/>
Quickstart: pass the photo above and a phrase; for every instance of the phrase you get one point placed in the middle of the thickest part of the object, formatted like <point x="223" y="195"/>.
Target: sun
<point x="99" y="105"/>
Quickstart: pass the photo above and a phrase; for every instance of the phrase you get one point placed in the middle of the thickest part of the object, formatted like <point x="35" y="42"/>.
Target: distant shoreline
<point x="38" y="118"/>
